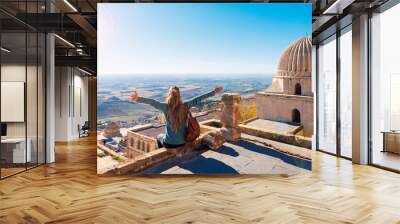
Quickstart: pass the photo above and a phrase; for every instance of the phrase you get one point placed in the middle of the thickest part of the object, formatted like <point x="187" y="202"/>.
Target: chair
<point x="84" y="130"/>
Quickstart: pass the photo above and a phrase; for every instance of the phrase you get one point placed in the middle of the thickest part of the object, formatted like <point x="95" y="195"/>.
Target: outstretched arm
<point x="154" y="103"/>
<point x="197" y="100"/>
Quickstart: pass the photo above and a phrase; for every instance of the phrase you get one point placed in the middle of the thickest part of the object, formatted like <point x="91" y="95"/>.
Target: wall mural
<point x="204" y="89"/>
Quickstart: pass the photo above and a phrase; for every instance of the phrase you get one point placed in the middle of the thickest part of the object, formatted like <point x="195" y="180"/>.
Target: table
<point x="13" y="150"/>
<point x="391" y="141"/>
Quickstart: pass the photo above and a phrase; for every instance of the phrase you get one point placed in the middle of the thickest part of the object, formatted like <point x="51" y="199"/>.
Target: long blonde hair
<point x="177" y="111"/>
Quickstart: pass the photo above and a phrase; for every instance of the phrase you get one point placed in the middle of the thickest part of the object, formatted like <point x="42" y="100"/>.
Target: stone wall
<point x="279" y="107"/>
<point x="305" y="83"/>
<point x="285" y="138"/>
<point x="141" y="162"/>
<point x="139" y="144"/>
<point x="286" y="85"/>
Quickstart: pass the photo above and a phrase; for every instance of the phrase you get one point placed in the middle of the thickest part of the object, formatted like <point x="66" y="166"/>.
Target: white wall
<point x="62" y="81"/>
<point x="33" y="127"/>
<point x="81" y="113"/>
<point x="16" y="73"/>
<point x="71" y="102"/>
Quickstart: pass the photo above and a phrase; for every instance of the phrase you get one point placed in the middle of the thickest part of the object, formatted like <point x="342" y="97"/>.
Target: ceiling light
<point x="70" y="5"/>
<point x="79" y="51"/>
<point x="84" y="71"/>
<point x="330" y="8"/>
<point x="338" y="6"/>
<point x="5" y="50"/>
<point x="64" y="40"/>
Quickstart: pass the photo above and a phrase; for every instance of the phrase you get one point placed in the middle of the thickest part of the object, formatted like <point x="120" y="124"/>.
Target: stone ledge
<point x="285" y="138"/>
<point x="140" y="127"/>
<point x="249" y="120"/>
<point x="108" y="151"/>
<point x="155" y="157"/>
<point x="290" y="150"/>
<point x="141" y="162"/>
<point x="296" y="130"/>
<point x="286" y="96"/>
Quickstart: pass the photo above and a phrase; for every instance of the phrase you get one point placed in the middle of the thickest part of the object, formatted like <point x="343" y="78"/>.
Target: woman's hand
<point x="218" y="89"/>
<point x="134" y="96"/>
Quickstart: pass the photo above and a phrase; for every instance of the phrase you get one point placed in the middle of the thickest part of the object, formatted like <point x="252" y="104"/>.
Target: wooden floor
<point x="387" y="159"/>
<point x="69" y="191"/>
<point x="5" y="172"/>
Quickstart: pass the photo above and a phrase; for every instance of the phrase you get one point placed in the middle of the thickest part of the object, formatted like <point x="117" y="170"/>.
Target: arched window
<point x="297" y="89"/>
<point x="296" y="116"/>
<point x="132" y="142"/>
<point x="148" y="147"/>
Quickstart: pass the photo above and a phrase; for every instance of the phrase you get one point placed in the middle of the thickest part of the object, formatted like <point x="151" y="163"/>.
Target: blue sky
<point x="224" y="38"/>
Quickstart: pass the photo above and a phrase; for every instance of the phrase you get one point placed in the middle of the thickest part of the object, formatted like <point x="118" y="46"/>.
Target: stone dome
<point x="296" y="59"/>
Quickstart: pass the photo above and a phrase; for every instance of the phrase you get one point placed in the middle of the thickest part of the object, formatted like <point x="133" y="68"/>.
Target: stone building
<point x="112" y="130"/>
<point x="142" y="139"/>
<point x="289" y="98"/>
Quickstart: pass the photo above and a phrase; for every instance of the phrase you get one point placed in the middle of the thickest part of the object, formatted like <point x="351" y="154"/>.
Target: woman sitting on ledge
<point x="175" y="112"/>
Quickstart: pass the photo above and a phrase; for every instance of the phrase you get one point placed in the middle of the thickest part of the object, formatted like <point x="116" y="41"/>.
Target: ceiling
<point x="332" y="15"/>
<point x="75" y="21"/>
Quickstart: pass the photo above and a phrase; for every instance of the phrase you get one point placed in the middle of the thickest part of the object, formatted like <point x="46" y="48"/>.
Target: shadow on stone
<point x="228" y="151"/>
<point x="254" y="147"/>
<point x="302" y="163"/>
<point x="162" y="167"/>
<point x="202" y="165"/>
<point x="194" y="164"/>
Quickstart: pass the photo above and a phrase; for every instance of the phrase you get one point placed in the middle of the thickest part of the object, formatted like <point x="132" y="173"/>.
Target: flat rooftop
<point x="279" y="127"/>
<point x="152" y="131"/>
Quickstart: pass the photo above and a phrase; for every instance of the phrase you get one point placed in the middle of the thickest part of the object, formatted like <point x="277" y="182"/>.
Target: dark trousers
<point x="161" y="143"/>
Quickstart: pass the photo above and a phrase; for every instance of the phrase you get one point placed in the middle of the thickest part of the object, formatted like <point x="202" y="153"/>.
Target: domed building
<point x="289" y="99"/>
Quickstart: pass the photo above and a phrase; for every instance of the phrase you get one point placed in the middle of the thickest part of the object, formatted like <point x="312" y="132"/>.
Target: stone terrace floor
<point x="244" y="157"/>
